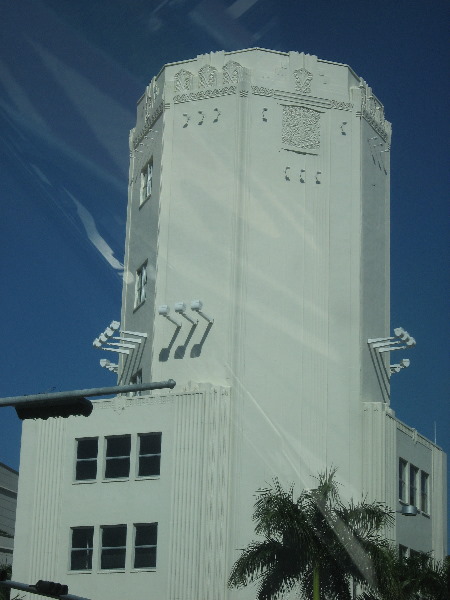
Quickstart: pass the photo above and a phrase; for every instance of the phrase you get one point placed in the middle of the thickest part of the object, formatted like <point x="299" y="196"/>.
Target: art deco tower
<point x="257" y="269"/>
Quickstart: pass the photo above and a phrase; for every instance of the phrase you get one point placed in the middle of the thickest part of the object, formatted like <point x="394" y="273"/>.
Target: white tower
<point x="257" y="268"/>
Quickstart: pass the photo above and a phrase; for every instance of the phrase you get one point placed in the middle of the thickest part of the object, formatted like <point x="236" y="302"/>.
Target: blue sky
<point x="70" y="76"/>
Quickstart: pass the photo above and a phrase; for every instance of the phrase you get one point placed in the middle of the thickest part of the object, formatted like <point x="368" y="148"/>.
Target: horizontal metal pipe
<point x="31" y="589"/>
<point x="105" y="391"/>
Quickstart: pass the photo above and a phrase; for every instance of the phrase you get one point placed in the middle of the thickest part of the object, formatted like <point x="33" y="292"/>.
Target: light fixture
<point x="401" y="340"/>
<point x="180" y="308"/>
<point x="403" y="364"/>
<point x="164" y="311"/>
<point x="408" y="510"/>
<point x="106" y="364"/>
<point x="196" y="306"/>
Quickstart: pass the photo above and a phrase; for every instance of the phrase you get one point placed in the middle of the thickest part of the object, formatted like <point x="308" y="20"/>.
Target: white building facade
<point x="257" y="269"/>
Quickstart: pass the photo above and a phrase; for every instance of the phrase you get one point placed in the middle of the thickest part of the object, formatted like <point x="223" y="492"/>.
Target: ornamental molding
<point x="262" y="91"/>
<point x="120" y="403"/>
<point x="232" y="72"/>
<point x="151" y="92"/>
<point x="149" y="122"/>
<point x="207" y="77"/>
<point x="183" y="81"/>
<point x="303" y="79"/>
<point x="341" y="105"/>
<point x="300" y="129"/>
<point x="373" y="111"/>
<point x="204" y="94"/>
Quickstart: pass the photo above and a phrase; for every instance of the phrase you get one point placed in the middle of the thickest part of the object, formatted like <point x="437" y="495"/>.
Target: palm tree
<point x="417" y="577"/>
<point x="314" y="542"/>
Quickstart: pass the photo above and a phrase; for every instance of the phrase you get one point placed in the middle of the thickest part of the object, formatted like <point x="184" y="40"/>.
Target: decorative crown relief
<point x="232" y="72"/>
<point x="372" y="110"/>
<point x="183" y="81"/>
<point x="207" y="76"/>
<point x="151" y="92"/>
<point x="301" y="128"/>
<point x="303" y="80"/>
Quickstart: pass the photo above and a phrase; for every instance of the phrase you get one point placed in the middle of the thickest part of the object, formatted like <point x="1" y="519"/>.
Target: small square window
<point x="81" y="548"/>
<point x="140" y="291"/>
<point x="114" y="541"/>
<point x="86" y="466"/>
<point x="149" y="454"/>
<point x="145" y="540"/>
<point x="424" y="501"/>
<point x="118" y="450"/>
<point x="146" y="181"/>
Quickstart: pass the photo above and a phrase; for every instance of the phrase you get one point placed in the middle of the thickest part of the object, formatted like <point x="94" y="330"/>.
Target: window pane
<point x="118" y="446"/>
<point x="113" y="558"/>
<point x="81" y="554"/>
<point x="150" y="443"/>
<point x="87" y="448"/>
<point x="114" y="536"/>
<point x="86" y="469"/>
<point x="81" y="560"/>
<point x="149" y="465"/>
<point x="146" y="535"/>
<point x="117" y="467"/>
<point x="144" y="558"/>
<point x="82" y="537"/>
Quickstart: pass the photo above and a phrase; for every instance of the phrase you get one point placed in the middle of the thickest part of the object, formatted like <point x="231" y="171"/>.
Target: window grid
<point x="402" y="479"/>
<point x="141" y="282"/>
<point x="81" y="548"/>
<point x="117" y="460"/>
<point x="149" y="459"/>
<point x="114" y="547"/>
<point x="145" y="542"/>
<point x="86" y="461"/>
<point x="424" y="505"/>
<point x="146" y="181"/>
<point x="413" y="472"/>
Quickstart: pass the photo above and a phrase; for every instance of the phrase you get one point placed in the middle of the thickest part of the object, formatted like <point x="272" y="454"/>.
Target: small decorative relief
<point x="341" y="105"/>
<point x="373" y="111"/>
<point x="303" y="80"/>
<point x="183" y="81"/>
<point x="301" y="128"/>
<point x="232" y="72"/>
<point x="204" y="94"/>
<point x="151" y="92"/>
<point x="261" y="91"/>
<point x="207" y="76"/>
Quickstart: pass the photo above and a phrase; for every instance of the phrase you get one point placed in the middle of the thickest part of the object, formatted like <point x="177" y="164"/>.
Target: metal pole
<point x="31" y="589"/>
<point x="106" y="391"/>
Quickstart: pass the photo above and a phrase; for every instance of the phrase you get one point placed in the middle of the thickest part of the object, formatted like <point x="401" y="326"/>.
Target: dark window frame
<point x="78" y="550"/>
<point x="81" y="462"/>
<point x="105" y="550"/>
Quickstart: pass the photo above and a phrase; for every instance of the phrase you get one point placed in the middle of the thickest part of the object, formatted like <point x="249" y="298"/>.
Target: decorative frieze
<point x="232" y="72"/>
<point x="301" y="128"/>
<point x="341" y="105"/>
<point x="183" y="81"/>
<point x="151" y="92"/>
<point x="204" y="94"/>
<point x="207" y="77"/>
<point x="150" y="121"/>
<point x="373" y="111"/>
<point x="303" y="79"/>
<point x="120" y="403"/>
<point x="262" y="91"/>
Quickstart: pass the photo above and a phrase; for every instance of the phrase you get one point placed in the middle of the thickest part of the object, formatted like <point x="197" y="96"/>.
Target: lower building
<point x="8" y="500"/>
